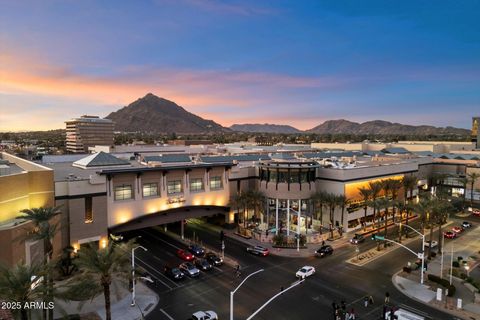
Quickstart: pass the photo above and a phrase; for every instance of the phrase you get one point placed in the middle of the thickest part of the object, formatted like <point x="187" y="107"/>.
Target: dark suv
<point x="173" y="273"/>
<point x="196" y="250"/>
<point x="214" y="259"/>
<point x="324" y="251"/>
<point x="357" y="239"/>
<point x="203" y="264"/>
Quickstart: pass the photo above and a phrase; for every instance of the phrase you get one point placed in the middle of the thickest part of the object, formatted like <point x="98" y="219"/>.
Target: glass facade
<point x="287" y="175"/>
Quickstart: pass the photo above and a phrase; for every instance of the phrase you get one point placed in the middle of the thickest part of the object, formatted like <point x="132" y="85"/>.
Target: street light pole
<point x="233" y="292"/>
<point x="423" y="250"/>
<point x="272" y="298"/>
<point x="133" y="273"/>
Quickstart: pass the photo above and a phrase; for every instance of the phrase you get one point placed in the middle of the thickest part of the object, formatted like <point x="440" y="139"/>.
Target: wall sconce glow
<point x="76" y="247"/>
<point x="103" y="243"/>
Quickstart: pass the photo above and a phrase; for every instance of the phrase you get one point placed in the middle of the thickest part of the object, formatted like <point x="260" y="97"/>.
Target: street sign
<point x="379" y="237"/>
<point x="420" y="255"/>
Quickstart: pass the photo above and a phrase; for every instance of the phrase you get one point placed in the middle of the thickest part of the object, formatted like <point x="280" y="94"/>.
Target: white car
<point x="434" y="244"/>
<point x="205" y="315"/>
<point x="305" y="271"/>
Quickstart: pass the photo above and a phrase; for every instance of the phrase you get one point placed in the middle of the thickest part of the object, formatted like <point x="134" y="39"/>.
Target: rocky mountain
<point x="154" y="114"/>
<point x="382" y="127"/>
<point x="266" y="127"/>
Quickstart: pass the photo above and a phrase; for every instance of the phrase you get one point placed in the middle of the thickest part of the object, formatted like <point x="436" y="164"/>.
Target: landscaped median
<point x="362" y="258"/>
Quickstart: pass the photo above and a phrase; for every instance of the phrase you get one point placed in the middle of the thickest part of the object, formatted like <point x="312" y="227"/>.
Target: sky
<point x="284" y="62"/>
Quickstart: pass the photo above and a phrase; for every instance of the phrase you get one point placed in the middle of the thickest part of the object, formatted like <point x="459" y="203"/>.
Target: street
<point x="334" y="281"/>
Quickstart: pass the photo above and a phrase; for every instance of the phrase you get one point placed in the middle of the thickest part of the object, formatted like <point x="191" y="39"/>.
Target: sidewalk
<point x="466" y="246"/>
<point x="121" y="309"/>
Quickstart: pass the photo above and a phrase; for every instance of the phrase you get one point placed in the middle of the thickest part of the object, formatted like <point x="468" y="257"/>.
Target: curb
<point x="454" y="312"/>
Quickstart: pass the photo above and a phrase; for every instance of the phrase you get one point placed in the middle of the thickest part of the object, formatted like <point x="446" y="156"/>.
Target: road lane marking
<point x="218" y="269"/>
<point x="157" y="272"/>
<point x="166" y="314"/>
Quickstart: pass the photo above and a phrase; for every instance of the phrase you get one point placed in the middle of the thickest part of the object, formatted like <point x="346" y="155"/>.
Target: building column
<point x="268" y="211"/>
<point x="276" y="216"/>
<point x="288" y="217"/>
<point x="138" y="187"/>
<point x="299" y="215"/>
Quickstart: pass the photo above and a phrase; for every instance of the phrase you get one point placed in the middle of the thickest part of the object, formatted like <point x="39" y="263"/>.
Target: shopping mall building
<point x="132" y="188"/>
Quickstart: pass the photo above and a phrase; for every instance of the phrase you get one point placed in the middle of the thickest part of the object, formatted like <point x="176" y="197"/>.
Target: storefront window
<point x="196" y="184"/>
<point x="123" y="192"/>
<point x="150" y="189"/>
<point x="174" y="186"/>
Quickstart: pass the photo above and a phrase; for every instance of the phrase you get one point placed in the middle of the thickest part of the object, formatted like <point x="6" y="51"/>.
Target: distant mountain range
<point x="382" y="127"/>
<point x="154" y="114"/>
<point x="266" y="128"/>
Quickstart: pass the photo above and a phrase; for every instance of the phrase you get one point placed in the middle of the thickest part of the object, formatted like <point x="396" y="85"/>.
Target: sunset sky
<point x="285" y="62"/>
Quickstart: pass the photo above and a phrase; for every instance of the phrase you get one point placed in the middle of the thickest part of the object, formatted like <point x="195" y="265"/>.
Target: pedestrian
<point x="352" y="315"/>
<point x="370" y="300"/>
<point x="237" y="271"/>
<point x="387" y="297"/>
<point x="281" y="289"/>
<point x="323" y="243"/>
<point x="365" y="301"/>
<point x="347" y="315"/>
<point x="343" y="305"/>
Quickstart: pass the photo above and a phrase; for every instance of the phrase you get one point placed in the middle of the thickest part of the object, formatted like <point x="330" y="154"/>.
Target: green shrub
<point x="451" y="290"/>
<point x="407" y="269"/>
<point x="463" y="276"/>
<point x="473" y="257"/>
<point x="433" y="254"/>
<point x="444" y="283"/>
<point x="456" y="264"/>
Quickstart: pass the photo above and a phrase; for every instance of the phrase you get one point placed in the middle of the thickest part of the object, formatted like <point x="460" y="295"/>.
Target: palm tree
<point x="16" y="285"/>
<point x="238" y="201"/>
<point x="409" y="183"/>
<point x="45" y="232"/>
<point x="342" y="201"/>
<point x="375" y="189"/>
<point x="256" y="199"/>
<point x="395" y="186"/>
<point x="423" y="208"/>
<point x="319" y="199"/>
<point x="332" y="203"/>
<point x="384" y="203"/>
<point x="99" y="267"/>
<point x="365" y="194"/>
<point x="472" y="178"/>
<point x="444" y="208"/>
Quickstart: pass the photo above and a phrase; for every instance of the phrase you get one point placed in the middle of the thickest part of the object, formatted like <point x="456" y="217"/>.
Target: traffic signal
<point x="374" y="236"/>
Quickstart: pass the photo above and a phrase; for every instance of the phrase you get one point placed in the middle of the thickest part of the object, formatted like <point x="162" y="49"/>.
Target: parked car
<point x="204" y="315"/>
<point x="258" y="250"/>
<point x="457" y="229"/>
<point x="184" y="255"/>
<point x="196" y="250"/>
<point x="203" y="264"/>
<point x="324" y="251"/>
<point x="357" y="238"/>
<point x="214" y="259"/>
<point x="449" y="235"/>
<point x="173" y="273"/>
<point x="434" y="244"/>
<point x="466" y="224"/>
<point x="189" y="269"/>
<point x="305" y="271"/>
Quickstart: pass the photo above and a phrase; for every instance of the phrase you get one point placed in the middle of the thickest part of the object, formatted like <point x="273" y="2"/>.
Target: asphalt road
<point x="334" y="281"/>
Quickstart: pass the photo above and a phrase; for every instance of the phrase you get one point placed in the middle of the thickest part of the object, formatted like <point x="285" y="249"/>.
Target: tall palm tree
<point x="375" y="189"/>
<point x="409" y="183"/>
<point x="332" y="203"/>
<point x="472" y="178"/>
<point x="444" y="208"/>
<point x="423" y="208"/>
<point x="384" y="203"/>
<point x="256" y="199"/>
<point x="395" y="186"/>
<point x="343" y="202"/>
<point x="99" y="267"/>
<point x="319" y="199"/>
<point x="365" y="193"/>
<point x="16" y="285"/>
<point x="238" y="201"/>
<point x="43" y="231"/>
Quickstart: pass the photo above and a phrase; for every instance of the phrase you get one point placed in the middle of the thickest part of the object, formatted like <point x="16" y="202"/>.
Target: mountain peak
<point x="154" y="114"/>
